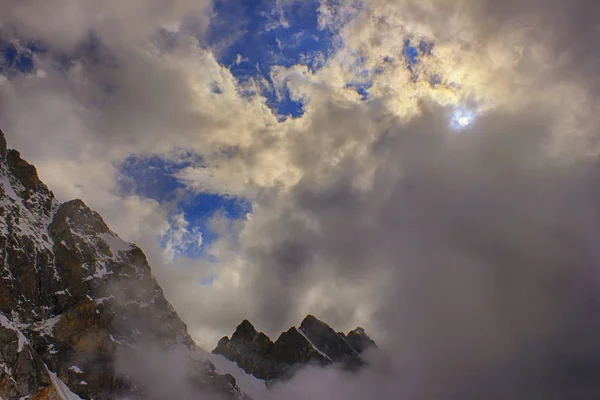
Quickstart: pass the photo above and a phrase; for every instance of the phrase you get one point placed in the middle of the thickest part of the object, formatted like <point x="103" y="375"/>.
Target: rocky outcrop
<point x="313" y="343"/>
<point x="330" y="342"/>
<point x="22" y="371"/>
<point x="250" y="349"/>
<point x="359" y="340"/>
<point x="74" y="296"/>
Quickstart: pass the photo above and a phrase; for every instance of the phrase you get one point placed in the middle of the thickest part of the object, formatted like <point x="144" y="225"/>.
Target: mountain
<point x="314" y="342"/>
<point x="81" y="316"/>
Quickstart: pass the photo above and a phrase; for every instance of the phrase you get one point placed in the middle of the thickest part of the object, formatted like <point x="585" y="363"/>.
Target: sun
<point x="461" y="118"/>
<point x="464" y="120"/>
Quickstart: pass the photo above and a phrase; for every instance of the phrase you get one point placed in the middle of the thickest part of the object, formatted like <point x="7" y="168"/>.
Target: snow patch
<point x="46" y="328"/>
<point x="252" y="386"/>
<point x="52" y="349"/>
<point x="139" y="304"/>
<point x="5" y="322"/>
<point x="30" y="223"/>
<point x="102" y="272"/>
<point x="115" y="243"/>
<point x="341" y="336"/>
<point x="103" y="299"/>
<point x="313" y="345"/>
<point x="76" y="369"/>
<point x="8" y="189"/>
<point x="64" y="393"/>
<point x="115" y="340"/>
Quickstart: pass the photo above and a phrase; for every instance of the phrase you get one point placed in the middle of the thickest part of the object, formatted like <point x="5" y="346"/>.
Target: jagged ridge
<point x="314" y="342"/>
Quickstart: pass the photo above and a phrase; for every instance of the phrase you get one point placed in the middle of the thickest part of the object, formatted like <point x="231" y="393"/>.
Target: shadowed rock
<point x="313" y="343"/>
<point x="359" y="340"/>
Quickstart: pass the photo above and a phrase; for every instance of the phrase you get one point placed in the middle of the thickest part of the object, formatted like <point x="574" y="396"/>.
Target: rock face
<point x="313" y="343"/>
<point x="359" y="340"/>
<point x="74" y="296"/>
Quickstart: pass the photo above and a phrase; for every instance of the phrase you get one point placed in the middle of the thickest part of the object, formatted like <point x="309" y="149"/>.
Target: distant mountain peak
<point x="359" y="340"/>
<point x="245" y="330"/>
<point x="313" y="342"/>
<point x="311" y="321"/>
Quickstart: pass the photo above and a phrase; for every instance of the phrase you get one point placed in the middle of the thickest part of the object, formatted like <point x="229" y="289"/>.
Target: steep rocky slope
<point x="75" y="299"/>
<point x="314" y="342"/>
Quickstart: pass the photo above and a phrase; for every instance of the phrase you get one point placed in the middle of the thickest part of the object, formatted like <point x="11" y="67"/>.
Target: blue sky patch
<point x="153" y="177"/>
<point x="413" y="52"/>
<point x="16" y="58"/>
<point x="208" y="281"/>
<point x="362" y="88"/>
<point x="252" y="36"/>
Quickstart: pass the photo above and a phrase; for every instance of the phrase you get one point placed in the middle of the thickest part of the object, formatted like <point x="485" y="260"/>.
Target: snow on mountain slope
<point x="6" y="323"/>
<point x="71" y="289"/>
<point x="249" y="384"/>
<point x="64" y="393"/>
<point x="300" y="331"/>
<point x="19" y="362"/>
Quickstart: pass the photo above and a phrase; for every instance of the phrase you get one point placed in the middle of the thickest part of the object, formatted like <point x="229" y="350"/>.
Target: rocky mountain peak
<point x="22" y="170"/>
<point x="244" y="332"/>
<point x="74" y="297"/>
<point x="359" y="340"/>
<point x="330" y="342"/>
<point x="313" y="343"/>
<point x="74" y="216"/>
<point x="310" y="321"/>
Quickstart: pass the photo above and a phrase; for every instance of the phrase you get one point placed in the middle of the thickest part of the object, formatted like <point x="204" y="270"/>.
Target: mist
<point x="467" y="250"/>
<point x="487" y="242"/>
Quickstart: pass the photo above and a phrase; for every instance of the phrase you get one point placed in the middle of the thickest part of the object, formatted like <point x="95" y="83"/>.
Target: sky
<point x="426" y="169"/>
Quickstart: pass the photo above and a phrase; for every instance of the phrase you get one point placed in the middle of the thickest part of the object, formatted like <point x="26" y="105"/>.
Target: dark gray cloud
<point x="488" y="246"/>
<point x="482" y="247"/>
<point x="569" y="29"/>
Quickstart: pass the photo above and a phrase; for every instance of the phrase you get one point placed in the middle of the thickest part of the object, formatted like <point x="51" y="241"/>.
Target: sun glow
<point x="462" y="118"/>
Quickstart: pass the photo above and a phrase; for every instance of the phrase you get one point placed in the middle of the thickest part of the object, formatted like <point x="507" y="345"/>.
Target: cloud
<point x="468" y="254"/>
<point x="179" y="239"/>
<point x="105" y="89"/>
<point x="472" y="251"/>
<point x="63" y="24"/>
